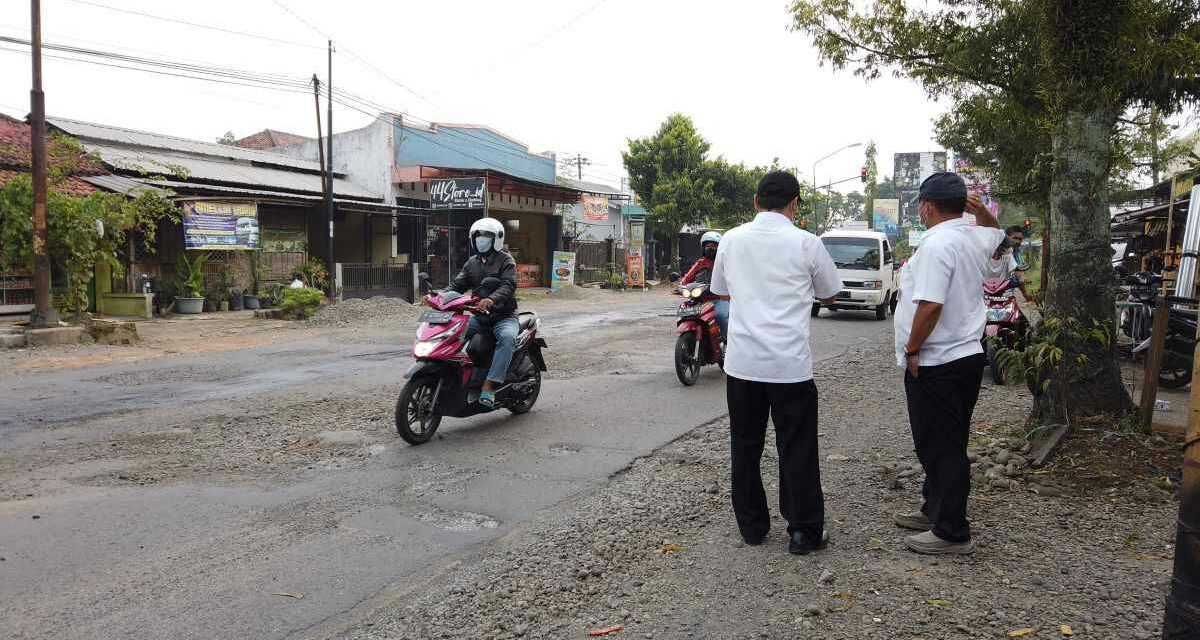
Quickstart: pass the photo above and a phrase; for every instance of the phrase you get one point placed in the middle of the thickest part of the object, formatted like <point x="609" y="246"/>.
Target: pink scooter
<point x="449" y="371"/>
<point x="1006" y="325"/>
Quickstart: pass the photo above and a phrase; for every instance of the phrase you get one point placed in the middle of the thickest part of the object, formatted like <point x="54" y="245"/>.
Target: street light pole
<point x="816" y="225"/>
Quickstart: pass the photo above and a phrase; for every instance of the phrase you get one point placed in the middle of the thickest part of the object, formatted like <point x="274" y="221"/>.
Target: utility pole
<point x="330" y="267"/>
<point x="579" y="161"/>
<point x="1181" y="621"/>
<point x="43" y="314"/>
<point x="320" y="136"/>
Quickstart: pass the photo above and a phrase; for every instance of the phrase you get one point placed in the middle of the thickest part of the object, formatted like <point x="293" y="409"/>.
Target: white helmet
<point x="710" y="236"/>
<point x="490" y="227"/>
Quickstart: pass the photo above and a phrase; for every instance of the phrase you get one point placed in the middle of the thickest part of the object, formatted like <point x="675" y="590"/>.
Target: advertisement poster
<point x="458" y="193"/>
<point x="595" y="208"/>
<point x="562" y="273"/>
<point x="637" y="233"/>
<point x="529" y="276"/>
<point x="887" y="216"/>
<point x="635" y="275"/>
<point x="220" y="226"/>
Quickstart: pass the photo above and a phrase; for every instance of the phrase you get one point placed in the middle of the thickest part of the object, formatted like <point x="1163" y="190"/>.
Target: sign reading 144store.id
<point x="459" y="193"/>
<point x="220" y="226"/>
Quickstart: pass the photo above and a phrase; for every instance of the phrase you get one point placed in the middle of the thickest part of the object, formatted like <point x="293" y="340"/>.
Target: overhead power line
<point x="197" y="25"/>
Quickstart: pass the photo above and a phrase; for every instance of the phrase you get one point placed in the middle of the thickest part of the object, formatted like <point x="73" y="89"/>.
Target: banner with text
<point x="635" y="274"/>
<point x="220" y="226"/>
<point x="637" y="233"/>
<point x="595" y="208"/>
<point x="562" y="273"/>
<point x="458" y="193"/>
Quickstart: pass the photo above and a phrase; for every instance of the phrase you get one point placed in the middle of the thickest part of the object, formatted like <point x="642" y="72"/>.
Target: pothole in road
<point x="457" y="521"/>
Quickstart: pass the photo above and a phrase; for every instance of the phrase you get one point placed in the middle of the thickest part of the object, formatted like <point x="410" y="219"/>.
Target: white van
<point x="867" y="268"/>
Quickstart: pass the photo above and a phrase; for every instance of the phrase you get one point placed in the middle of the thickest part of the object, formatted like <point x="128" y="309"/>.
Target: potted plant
<point x="189" y="283"/>
<point x="235" y="299"/>
<point x="223" y="284"/>
<point x="250" y="299"/>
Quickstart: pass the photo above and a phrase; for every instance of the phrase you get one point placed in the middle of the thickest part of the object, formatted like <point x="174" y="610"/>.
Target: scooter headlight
<point x="425" y="347"/>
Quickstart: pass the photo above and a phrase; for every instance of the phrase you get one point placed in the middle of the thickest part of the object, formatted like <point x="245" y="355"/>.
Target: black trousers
<point x="793" y="409"/>
<point x="940" y="402"/>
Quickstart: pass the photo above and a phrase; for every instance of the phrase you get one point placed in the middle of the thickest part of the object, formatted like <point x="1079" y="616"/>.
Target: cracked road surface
<point x="263" y="493"/>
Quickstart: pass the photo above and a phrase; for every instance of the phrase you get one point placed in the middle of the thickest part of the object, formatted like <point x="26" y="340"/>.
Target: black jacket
<point x="498" y="264"/>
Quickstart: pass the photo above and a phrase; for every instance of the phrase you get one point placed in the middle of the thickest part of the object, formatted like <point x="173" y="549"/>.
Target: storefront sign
<point x="637" y="233"/>
<point x="595" y="208"/>
<point x="220" y="226"/>
<point x="563" y="271"/>
<point x="459" y="193"/>
<point x="635" y="273"/>
<point x="529" y="275"/>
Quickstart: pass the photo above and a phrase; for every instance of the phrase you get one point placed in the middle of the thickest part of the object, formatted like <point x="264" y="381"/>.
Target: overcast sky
<point x="570" y="76"/>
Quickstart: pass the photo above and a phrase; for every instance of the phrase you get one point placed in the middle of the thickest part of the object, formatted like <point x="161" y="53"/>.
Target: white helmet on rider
<point x="486" y="235"/>
<point x="710" y="236"/>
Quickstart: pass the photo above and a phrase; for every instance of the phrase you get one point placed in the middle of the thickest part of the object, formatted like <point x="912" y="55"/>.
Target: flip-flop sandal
<point x="487" y="398"/>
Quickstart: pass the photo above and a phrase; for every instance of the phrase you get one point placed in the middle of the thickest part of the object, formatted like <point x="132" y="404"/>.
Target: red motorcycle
<point x="700" y="342"/>
<point x="449" y="371"/>
<point x="1006" y="325"/>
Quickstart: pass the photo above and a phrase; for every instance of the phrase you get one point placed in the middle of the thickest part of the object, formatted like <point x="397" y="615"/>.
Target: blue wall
<point x="469" y="148"/>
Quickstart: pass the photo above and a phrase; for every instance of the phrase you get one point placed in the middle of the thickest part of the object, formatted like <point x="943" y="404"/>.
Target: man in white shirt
<point x="1004" y="262"/>
<point x="939" y="322"/>
<point x="772" y="271"/>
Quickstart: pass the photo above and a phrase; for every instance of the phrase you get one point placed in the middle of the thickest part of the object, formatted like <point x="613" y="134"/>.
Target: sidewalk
<point x="1084" y="544"/>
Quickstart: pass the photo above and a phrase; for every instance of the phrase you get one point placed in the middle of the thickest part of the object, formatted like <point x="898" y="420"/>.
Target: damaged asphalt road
<point x="264" y="493"/>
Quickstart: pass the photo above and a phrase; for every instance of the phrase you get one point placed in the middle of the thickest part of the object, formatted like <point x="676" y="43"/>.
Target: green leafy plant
<point x="189" y="275"/>
<point x="299" y="304"/>
<point x="255" y="271"/>
<point x="313" y="274"/>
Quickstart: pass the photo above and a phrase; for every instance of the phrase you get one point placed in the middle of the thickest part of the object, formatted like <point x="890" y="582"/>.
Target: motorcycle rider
<point x="499" y="308"/>
<point x="701" y="271"/>
<point x="1004" y="262"/>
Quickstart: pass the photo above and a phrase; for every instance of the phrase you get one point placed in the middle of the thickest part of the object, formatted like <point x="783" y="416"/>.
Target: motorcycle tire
<point x="881" y="312"/>
<point x="526" y="405"/>
<point x="415" y="406"/>
<point x="816" y="308"/>
<point x="686" y="368"/>
<point x="895" y="301"/>
<point x="1176" y="369"/>
<point x="993" y="365"/>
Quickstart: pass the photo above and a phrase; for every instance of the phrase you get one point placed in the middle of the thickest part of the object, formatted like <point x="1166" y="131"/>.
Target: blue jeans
<point x="722" y="309"/>
<point x="505" y="331"/>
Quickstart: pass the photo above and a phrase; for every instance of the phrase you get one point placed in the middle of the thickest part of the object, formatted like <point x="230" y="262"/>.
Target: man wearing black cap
<point x="939" y="321"/>
<point x="772" y="271"/>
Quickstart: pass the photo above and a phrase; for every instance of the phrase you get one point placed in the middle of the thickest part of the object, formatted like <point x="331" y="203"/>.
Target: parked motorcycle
<point x="1137" y="322"/>
<point x="700" y="342"/>
<point x="1006" y="326"/>
<point x="449" y="371"/>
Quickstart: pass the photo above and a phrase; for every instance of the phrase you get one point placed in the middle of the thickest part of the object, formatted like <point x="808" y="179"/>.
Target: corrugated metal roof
<point x="259" y="193"/>
<point x="144" y="160"/>
<point x="100" y="132"/>
<point x="589" y="187"/>
<point x="121" y="184"/>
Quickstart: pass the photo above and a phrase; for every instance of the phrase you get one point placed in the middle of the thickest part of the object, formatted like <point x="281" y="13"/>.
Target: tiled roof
<point x="71" y="186"/>
<point x="269" y="139"/>
<point x="16" y="157"/>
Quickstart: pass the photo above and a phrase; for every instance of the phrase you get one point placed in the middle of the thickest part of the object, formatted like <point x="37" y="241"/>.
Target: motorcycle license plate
<point x="688" y="312"/>
<point x="997" y="315"/>
<point x="437" y="317"/>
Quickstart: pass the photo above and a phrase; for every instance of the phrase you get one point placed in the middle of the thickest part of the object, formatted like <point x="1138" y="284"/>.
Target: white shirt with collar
<point x="1004" y="267"/>
<point x="772" y="271"/>
<point x="948" y="269"/>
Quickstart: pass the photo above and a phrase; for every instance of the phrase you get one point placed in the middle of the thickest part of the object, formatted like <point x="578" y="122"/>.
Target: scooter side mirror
<point x="674" y="276"/>
<point x="423" y="282"/>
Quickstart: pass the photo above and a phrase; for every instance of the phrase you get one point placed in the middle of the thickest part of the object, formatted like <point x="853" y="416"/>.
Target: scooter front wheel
<point x="416" y="419"/>
<point x="686" y="366"/>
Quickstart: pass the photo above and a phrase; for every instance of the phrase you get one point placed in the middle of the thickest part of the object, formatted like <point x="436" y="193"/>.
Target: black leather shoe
<point x="801" y="545"/>
<point x="753" y="541"/>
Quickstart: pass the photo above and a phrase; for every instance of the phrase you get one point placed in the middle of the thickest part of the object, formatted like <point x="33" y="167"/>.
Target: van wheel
<point x="881" y="312"/>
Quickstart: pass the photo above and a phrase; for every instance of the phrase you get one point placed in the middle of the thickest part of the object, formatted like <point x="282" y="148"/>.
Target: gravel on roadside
<point x="362" y="311"/>
<point x="656" y="553"/>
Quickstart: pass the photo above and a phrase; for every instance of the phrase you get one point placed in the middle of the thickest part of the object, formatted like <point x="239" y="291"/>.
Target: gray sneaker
<point x="929" y="544"/>
<point x="916" y="521"/>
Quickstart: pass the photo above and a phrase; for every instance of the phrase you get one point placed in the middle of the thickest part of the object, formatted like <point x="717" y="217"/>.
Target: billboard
<point x="978" y="181"/>
<point x="886" y="216"/>
<point x="594" y="208"/>
<point x="635" y="273"/>
<point x="214" y="225"/>
<point x="908" y="171"/>
<point x="637" y="233"/>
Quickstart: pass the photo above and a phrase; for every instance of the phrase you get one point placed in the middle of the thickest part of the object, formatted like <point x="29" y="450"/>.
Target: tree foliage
<point x="83" y="230"/>
<point x="1041" y="88"/>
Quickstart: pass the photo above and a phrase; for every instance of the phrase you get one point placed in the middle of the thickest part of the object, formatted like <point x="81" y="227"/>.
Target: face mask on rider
<point x="483" y="244"/>
<point x="710" y="253"/>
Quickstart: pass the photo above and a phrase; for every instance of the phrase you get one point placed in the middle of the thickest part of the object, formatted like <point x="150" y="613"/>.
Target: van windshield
<point x="853" y="253"/>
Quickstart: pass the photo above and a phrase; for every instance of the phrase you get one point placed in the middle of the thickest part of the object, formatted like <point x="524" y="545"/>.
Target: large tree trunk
<point x="1081" y="289"/>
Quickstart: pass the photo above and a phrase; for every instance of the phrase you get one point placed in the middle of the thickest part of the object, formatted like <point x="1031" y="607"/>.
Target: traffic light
<point x="862" y="173"/>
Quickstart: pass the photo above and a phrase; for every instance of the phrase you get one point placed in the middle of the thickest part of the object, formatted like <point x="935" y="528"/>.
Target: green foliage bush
<point x="300" y="304"/>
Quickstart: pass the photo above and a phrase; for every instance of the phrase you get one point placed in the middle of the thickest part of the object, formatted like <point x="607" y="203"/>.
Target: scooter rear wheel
<point x="416" y="420"/>
<point x="686" y="367"/>
<point x="992" y="359"/>
<point x="526" y="405"/>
